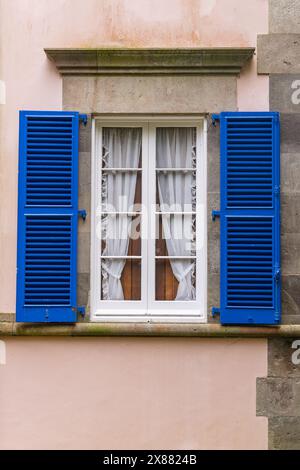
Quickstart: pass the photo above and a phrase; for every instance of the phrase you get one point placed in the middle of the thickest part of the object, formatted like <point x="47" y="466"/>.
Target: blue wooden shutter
<point x="47" y="216"/>
<point x="250" y="218"/>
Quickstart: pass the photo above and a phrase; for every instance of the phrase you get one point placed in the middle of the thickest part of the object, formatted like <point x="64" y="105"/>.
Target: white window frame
<point x="148" y="309"/>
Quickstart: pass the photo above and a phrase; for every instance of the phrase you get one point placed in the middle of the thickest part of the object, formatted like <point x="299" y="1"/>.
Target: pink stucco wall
<point x="118" y="393"/>
<point x="27" y="26"/>
<point x="133" y="393"/>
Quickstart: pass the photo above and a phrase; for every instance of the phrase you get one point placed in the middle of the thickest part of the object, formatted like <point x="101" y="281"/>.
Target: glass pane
<point x="122" y="147"/>
<point x="175" y="197"/>
<point x="124" y="286"/>
<point x="176" y="168"/>
<point x="121" y="235"/>
<point x="176" y="147"/>
<point x="121" y="191"/>
<point x="175" y="235"/>
<point x="167" y="285"/>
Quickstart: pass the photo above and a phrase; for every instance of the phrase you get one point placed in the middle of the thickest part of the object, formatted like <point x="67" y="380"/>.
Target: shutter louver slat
<point x="47" y="256"/>
<point x="47" y="216"/>
<point x="45" y="154"/>
<point x="250" y="218"/>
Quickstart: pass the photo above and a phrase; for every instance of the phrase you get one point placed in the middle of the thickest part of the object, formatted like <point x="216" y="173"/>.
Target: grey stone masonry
<point x="284" y="433"/>
<point x="84" y="227"/>
<point x="284" y="16"/>
<point x="280" y="363"/>
<point x="150" y="94"/>
<point x="278" y="53"/>
<point x="285" y="94"/>
<point x="284" y="98"/>
<point x="142" y="61"/>
<point x="213" y="228"/>
<point x="278" y="395"/>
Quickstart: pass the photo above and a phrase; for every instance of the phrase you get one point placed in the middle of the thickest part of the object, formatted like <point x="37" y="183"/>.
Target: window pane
<point x="176" y="200"/>
<point x="121" y="232"/>
<point x="176" y="235"/>
<point x="125" y="287"/>
<point x="175" y="277"/>
<point x="175" y="147"/>
<point x="121" y="182"/>
<point x="166" y="284"/>
<point x="121" y="191"/>
<point x="122" y="147"/>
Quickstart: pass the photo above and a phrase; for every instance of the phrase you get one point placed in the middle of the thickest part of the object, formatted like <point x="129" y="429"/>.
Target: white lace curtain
<point x="175" y="148"/>
<point x="121" y="149"/>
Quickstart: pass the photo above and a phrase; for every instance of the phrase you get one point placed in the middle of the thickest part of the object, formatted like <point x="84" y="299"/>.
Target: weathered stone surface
<point x="284" y="433"/>
<point x="84" y="190"/>
<point x="285" y="94"/>
<point x="290" y="135"/>
<point x="278" y="396"/>
<point x="213" y="203"/>
<point x="280" y="358"/>
<point x="6" y="328"/>
<point x="85" y="136"/>
<point x="290" y="213"/>
<point x="284" y="16"/>
<point x="290" y="253"/>
<point x="213" y="158"/>
<point x="213" y="255"/>
<point x="290" y="298"/>
<point x="290" y="172"/>
<point x="134" y="94"/>
<point x="142" y="61"/>
<point x="213" y="234"/>
<point x="84" y="244"/>
<point x="84" y="227"/>
<point x="7" y="317"/>
<point x="290" y="319"/>
<point x="83" y="289"/>
<point x="278" y="53"/>
<point x="213" y="295"/>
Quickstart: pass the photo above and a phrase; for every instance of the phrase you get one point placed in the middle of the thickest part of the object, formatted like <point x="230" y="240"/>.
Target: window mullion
<point x="151" y="216"/>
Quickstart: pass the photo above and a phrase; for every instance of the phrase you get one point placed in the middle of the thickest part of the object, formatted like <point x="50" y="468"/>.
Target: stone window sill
<point x="146" y="329"/>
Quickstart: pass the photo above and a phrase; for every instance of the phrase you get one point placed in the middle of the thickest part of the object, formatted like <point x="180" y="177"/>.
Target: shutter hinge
<point x="215" y="311"/>
<point x="215" y="214"/>
<point x="276" y="190"/>
<point x="83" y="118"/>
<point x="215" y="118"/>
<point x="277" y="274"/>
<point x="81" y="310"/>
<point x="82" y="213"/>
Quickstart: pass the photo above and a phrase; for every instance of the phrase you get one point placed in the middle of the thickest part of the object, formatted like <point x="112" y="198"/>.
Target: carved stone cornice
<point x="113" y="61"/>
